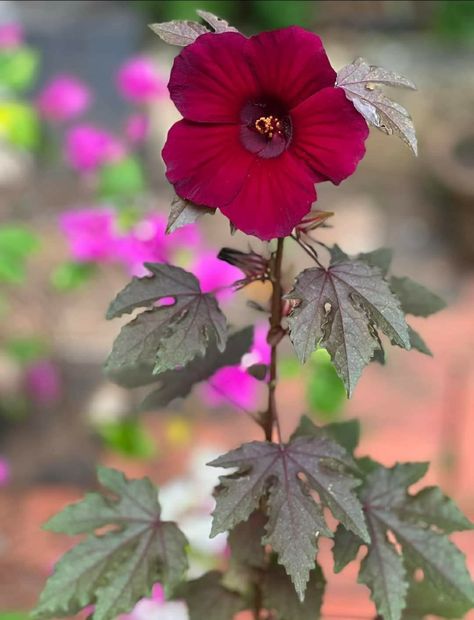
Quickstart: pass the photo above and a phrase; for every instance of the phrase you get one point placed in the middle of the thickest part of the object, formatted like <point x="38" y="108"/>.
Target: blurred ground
<point x="415" y="408"/>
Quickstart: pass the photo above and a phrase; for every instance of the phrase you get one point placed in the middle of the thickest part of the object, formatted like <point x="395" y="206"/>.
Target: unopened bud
<point x="253" y="265"/>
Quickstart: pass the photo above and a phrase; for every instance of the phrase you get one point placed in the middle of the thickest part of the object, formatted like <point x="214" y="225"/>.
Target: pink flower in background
<point x="4" y="472"/>
<point x="11" y="35"/>
<point x="63" y="98"/>
<point x="139" y="81"/>
<point x="148" y="242"/>
<point x="156" y="607"/>
<point x="88" y="147"/>
<point x="214" y="274"/>
<point x="43" y="383"/>
<point x="136" y="128"/>
<point x="89" y="233"/>
<point x="232" y="385"/>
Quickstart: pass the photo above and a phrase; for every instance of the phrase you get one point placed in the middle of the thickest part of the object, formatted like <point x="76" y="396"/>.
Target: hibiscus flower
<point x="262" y="124"/>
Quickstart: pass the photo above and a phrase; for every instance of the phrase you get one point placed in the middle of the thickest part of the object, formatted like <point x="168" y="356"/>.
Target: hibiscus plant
<point x="265" y="119"/>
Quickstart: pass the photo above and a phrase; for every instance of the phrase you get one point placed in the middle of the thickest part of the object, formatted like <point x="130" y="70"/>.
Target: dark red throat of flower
<point x="266" y="129"/>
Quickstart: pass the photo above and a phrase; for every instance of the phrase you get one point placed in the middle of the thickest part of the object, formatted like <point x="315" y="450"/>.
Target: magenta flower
<point x="138" y="80"/>
<point x="43" y="383"/>
<point x="89" y="233"/>
<point x="63" y="98"/>
<point x="136" y="128"/>
<point x="148" y="242"/>
<point x="88" y="147"/>
<point x="11" y="35"/>
<point x="262" y="124"/>
<point x="4" y="472"/>
<point x="215" y="275"/>
<point x="232" y="385"/>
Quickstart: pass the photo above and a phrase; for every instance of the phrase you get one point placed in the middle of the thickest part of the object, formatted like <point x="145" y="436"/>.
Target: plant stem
<point x="271" y="416"/>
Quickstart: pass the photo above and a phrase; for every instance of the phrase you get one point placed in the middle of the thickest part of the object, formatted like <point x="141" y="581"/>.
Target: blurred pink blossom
<point x="215" y="275"/>
<point x="139" y="81"/>
<point x="63" y="98"/>
<point x="4" y="472"/>
<point x="89" y="233"/>
<point x="156" y="607"/>
<point x="11" y="35"/>
<point x="148" y="242"/>
<point x="43" y="383"/>
<point x="137" y="128"/>
<point x="232" y="385"/>
<point x="87" y="147"/>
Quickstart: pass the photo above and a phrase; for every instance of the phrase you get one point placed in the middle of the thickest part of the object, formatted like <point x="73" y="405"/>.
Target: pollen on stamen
<point x="268" y="126"/>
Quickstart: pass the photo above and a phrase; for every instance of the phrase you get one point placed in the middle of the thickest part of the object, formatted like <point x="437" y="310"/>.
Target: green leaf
<point x="127" y="437"/>
<point x="16" y="245"/>
<point x="419" y="523"/>
<point x="113" y="571"/>
<point x="26" y="350"/>
<point x="122" y="179"/>
<point x="326" y="394"/>
<point x="180" y="33"/>
<point x="362" y="82"/>
<point x="346" y="432"/>
<point x="184" y="212"/>
<point x="178" y="383"/>
<point x="340" y="309"/>
<point x="285" y="474"/>
<point x="417" y="342"/>
<point x="345" y="548"/>
<point x="279" y="595"/>
<point x="423" y="599"/>
<point x="19" y="125"/>
<point x="381" y="258"/>
<point x="18" y="68"/>
<point x="169" y="336"/>
<point x="208" y="599"/>
<point x="415" y="298"/>
<point x="71" y="275"/>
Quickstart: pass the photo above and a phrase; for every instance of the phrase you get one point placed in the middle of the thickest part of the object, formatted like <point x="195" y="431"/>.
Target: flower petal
<point x="289" y="64"/>
<point x="276" y="195"/>
<point x="329" y="134"/>
<point x="210" y="80"/>
<point x="207" y="164"/>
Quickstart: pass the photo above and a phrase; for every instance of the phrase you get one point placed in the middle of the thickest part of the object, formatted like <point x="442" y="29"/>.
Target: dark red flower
<point x="262" y="124"/>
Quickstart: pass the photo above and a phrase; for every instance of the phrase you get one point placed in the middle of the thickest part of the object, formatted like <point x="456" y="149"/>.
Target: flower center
<point x="265" y="128"/>
<point x="268" y="126"/>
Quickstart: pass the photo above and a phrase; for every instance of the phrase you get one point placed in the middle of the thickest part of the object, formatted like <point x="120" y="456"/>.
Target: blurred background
<point x="84" y="113"/>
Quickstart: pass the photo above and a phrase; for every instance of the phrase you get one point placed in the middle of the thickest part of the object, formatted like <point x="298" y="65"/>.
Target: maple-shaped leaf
<point x="340" y="309"/>
<point x="362" y="83"/>
<point x="168" y="335"/>
<point x="113" y="571"/>
<point x="346" y="432"/>
<point x="419" y="524"/>
<point x="208" y="599"/>
<point x="285" y="474"/>
<point x="184" y="212"/>
<point x="178" y="383"/>
<point x="279" y="595"/>
<point x="179" y="32"/>
<point x="216" y="23"/>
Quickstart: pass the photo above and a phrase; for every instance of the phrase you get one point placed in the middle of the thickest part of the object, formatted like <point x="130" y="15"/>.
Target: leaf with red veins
<point x="341" y="309"/>
<point x="362" y="82"/>
<point x="168" y="335"/>
<point x="287" y="476"/>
